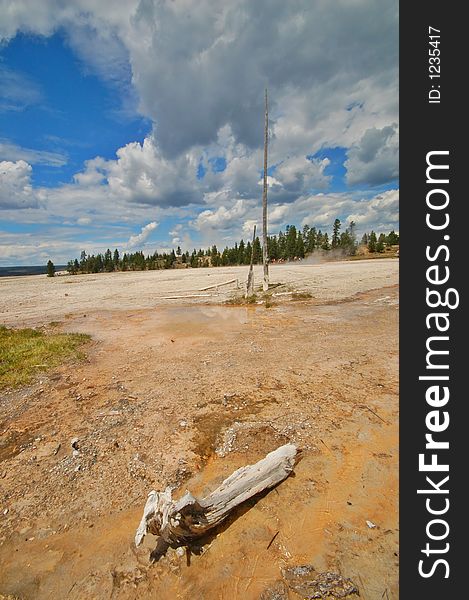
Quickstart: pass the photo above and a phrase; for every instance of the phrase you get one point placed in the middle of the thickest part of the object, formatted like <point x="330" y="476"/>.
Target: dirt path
<point x="182" y="396"/>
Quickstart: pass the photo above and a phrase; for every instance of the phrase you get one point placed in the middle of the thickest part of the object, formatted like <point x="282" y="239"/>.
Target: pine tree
<point x="311" y="240"/>
<point x="50" y="269"/>
<point x="282" y="246"/>
<point x="319" y="239"/>
<point x="108" y="264"/>
<point x="380" y="243"/>
<point x="83" y="261"/>
<point x="272" y="246"/>
<point x="335" y="234"/>
<point x="241" y="251"/>
<point x="291" y="242"/>
<point x="372" y="241"/>
<point x="392" y="239"/>
<point x="257" y="251"/>
<point x="300" y="247"/>
<point x="247" y="253"/>
<point x="347" y="240"/>
<point x="325" y="242"/>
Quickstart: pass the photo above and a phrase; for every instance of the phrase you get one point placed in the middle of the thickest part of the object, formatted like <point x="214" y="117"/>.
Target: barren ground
<point x="182" y="392"/>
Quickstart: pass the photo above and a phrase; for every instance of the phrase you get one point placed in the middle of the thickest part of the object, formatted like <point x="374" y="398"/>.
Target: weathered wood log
<point x="217" y="285"/>
<point x="185" y="296"/>
<point x="179" y="522"/>
<point x="250" y="281"/>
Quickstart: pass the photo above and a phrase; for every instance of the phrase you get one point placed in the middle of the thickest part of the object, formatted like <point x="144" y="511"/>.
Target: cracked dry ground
<point x="182" y="397"/>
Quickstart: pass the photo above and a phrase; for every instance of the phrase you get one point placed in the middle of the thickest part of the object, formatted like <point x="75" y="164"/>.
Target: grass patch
<point x="301" y="296"/>
<point x="26" y="352"/>
<point x="241" y="300"/>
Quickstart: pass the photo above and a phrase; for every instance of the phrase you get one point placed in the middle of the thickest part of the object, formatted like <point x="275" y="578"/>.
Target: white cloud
<point x="13" y="152"/>
<point x="375" y="157"/>
<point x="17" y="91"/>
<point x="331" y="70"/>
<point x="15" y="185"/>
<point x="139" y="239"/>
<point x="222" y="218"/>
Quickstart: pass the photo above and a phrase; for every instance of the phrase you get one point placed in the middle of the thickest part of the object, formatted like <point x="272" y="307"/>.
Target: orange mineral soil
<point x="182" y="396"/>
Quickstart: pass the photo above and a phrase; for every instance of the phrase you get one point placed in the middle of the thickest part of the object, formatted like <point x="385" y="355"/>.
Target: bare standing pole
<point x="265" y="255"/>
<point x="250" y="282"/>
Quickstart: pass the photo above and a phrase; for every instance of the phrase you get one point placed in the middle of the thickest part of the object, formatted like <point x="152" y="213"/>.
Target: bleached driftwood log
<point x="180" y="522"/>
<point x="217" y="285"/>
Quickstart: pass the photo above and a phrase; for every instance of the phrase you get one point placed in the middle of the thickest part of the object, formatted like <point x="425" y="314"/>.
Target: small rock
<point x="180" y="551"/>
<point x="183" y="423"/>
<point x="304" y="580"/>
<point x="74" y="443"/>
<point x="370" y="524"/>
<point x="5" y="512"/>
<point x="278" y="591"/>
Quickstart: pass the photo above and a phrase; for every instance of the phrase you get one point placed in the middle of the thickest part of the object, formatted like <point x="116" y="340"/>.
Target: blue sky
<point x="76" y="116"/>
<point x="114" y="134"/>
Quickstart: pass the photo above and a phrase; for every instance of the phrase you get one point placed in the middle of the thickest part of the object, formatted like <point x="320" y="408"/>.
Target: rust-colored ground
<point x="182" y="396"/>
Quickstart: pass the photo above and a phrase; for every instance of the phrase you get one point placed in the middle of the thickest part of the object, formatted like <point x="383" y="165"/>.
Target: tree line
<point x="292" y="244"/>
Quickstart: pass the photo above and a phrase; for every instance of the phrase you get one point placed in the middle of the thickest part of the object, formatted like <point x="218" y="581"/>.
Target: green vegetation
<point x="301" y="296"/>
<point x="50" y="269"/>
<point x="241" y="300"/>
<point x="26" y="352"/>
<point x="288" y="245"/>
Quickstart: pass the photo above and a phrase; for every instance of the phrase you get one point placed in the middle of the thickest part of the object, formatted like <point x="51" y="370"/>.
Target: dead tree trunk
<point x="250" y="281"/>
<point x="179" y="522"/>
<point x="265" y="255"/>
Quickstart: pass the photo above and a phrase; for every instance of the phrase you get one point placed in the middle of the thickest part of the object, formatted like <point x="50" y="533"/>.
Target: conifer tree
<point x="372" y="241"/>
<point x="300" y="247"/>
<point x="380" y="243"/>
<point x="335" y="234"/>
<point x="311" y="240"/>
<point x="50" y="269"/>
<point x="325" y="242"/>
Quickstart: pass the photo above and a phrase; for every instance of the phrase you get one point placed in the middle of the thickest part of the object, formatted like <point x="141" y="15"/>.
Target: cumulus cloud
<point x="229" y="222"/>
<point x="15" y="185"/>
<point x="139" y="239"/>
<point x="141" y="174"/>
<point x="222" y="218"/>
<point x="317" y="61"/>
<point x="331" y="71"/>
<point x="321" y="53"/>
<point x="375" y="158"/>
